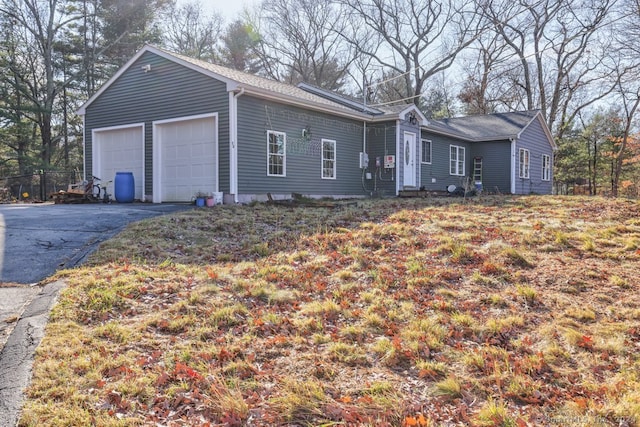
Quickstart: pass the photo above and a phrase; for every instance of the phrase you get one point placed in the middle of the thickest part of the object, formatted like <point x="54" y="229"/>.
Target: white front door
<point x="409" y="163"/>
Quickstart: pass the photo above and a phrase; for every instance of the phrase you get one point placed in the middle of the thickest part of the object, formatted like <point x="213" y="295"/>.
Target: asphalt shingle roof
<point x="262" y="83"/>
<point x="485" y="127"/>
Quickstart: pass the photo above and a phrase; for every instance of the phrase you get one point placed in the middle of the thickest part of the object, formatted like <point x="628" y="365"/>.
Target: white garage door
<point x="119" y="150"/>
<point x="187" y="158"/>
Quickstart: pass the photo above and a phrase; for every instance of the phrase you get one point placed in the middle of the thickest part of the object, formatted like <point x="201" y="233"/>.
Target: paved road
<point x="38" y="239"/>
<point x="35" y="241"/>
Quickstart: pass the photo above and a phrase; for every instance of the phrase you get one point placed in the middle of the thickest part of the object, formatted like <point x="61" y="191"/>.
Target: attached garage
<point x="119" y="149"/>
<point x="185" y="158"/>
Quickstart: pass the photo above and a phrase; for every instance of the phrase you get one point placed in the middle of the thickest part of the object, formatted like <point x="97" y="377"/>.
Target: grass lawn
<point x="496" y="311"/>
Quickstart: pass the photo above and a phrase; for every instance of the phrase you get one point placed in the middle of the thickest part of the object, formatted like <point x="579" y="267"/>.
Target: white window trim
<point x="524" y="167"/>
<point x="422" y="141"/>
<point x="322" y="158"/>
<point x="284" y="155"/>
<point x="546" y="171"/>
<point x="459" y="149"/>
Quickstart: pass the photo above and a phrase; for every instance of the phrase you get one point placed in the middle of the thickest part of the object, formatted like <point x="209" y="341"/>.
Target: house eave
<point x="83" y="108"/>
<point x="545" y="128"/>
<point x="422" y="119"/>
<point x="505" y="137"/>
<point x="291" y="100"/>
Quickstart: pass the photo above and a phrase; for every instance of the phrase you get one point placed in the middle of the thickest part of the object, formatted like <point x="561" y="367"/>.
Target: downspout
<point x="398" y="148"/>
<point x="364" y="137"/>
<point x="513" y="165"/>
<point x="233" y="145"/>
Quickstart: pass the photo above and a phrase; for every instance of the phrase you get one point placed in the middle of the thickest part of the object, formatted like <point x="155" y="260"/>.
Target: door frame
<point x="409" y="167"/>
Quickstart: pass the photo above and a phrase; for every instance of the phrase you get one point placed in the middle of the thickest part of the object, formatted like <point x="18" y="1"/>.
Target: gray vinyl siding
<point x="381" y="141"/>
<point x="435" y="176"/>
<point x="167" y="91"/>
<point x="496" y="165"/>
<point x="534" y="140"/>
<point x="303" y="156"/>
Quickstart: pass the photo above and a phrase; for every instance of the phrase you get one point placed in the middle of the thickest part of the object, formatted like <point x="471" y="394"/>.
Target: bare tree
<point x="561" y="46"/>
<point x="414" y="39"/>
<point x="627" y="90"/>
<point x="190" y="31"/>
<point x="301" y="41"/>
<point x="482" y="91"/>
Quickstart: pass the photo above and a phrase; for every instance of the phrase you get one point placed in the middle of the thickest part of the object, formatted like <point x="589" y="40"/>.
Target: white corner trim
<point x="84" y="147"/>
<point x="513" y="165"/>
<point x="398" y="148"/>
<point x="233" y="143"/>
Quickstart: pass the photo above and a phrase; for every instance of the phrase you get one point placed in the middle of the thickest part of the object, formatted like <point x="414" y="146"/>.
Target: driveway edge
<point x="16" y="358"/>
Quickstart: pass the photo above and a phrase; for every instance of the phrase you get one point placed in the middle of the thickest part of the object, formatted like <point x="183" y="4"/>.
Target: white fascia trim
<point x="231" y="84"/>
<point x="83" y="108"/>
<point x="157" y="152"/>
<point x="545" y="128"/>
<point x="95" y="154"/>
<point x="310" y="105"/>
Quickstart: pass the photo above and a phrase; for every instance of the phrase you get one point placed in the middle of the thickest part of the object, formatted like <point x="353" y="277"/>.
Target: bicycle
<point x="98" y="189"/>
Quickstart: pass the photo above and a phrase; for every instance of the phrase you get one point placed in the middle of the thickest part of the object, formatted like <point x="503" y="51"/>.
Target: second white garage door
<point x="185" y="160"/>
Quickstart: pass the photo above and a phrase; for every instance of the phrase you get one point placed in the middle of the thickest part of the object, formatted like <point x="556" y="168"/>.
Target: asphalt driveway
<point x="35" y="241"/>
<point x="38" y="239"/>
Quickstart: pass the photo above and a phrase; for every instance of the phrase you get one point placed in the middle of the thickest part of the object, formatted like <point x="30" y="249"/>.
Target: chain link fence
<point x="37" y="186"/>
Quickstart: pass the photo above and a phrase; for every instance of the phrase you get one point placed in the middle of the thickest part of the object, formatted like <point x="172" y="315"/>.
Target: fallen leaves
<point x="351" y="316"/>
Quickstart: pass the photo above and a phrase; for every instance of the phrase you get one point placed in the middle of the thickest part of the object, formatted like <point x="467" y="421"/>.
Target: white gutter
<point x="308" y="104"/>
<point x="364" y="137"/>
<point x="233" y="143"/>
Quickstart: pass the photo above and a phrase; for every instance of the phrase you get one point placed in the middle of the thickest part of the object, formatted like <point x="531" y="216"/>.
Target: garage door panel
<point x="120" y="150"/>
<point x="188" y="158"/>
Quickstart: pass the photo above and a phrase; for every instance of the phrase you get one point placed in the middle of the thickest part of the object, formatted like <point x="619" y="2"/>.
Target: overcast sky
<point x="230" y="9"/>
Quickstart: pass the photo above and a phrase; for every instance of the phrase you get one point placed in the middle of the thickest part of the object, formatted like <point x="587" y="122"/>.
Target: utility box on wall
<point x="364" y="160"/>
<point x="389" y="162"/>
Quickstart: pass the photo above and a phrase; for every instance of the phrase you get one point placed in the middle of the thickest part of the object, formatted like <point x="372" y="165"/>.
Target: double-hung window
<point x="524" y="159"/>
<point x="426" y="151"/>
<point x="546" y="167"/>
<point x="276" y="153"/>
<point x="456" y="160"/>
<point x="328" y="159"/>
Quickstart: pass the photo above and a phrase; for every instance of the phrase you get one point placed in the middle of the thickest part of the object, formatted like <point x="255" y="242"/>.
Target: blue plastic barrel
<point x="124" y="187"/>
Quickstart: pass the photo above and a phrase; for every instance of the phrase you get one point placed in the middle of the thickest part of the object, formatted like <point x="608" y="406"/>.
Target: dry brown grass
<point x="498" y="311"/>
